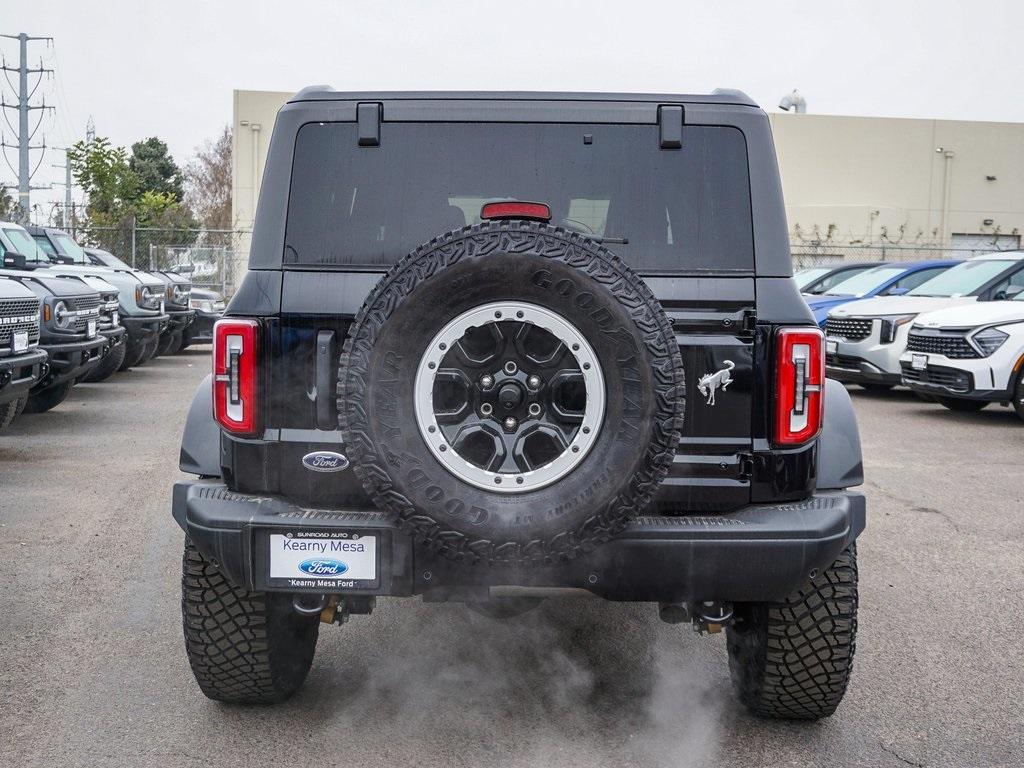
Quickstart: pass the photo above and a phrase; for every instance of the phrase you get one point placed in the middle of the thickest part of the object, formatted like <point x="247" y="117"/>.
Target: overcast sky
<point x="168" y="68"/>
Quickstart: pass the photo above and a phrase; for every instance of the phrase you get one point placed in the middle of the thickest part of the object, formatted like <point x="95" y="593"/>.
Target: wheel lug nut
<point x="511" y="367"/>
<point x="533" y="382"/>
<point x="535" y="409"/>
<point x="486" y="409"/>
<point x="487" y="381"/>
<point x="510" y="423"/>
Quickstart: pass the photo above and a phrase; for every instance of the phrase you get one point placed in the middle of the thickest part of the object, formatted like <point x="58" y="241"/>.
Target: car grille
<point x="953" y="346"/>
<point x="81" y="304"/>
<point x="951" y="378"/>
<point x="107" y="308"/>
<point x="849" y="328"/>
<point x="19" y="308"/>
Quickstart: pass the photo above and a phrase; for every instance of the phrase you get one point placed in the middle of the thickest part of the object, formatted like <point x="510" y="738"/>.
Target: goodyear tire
<point x="793" y="659"/>
<point x="49" y="398"/>
<point x="243" y="647"/>
<point x="108" y="365"/>
<point x="558" y="290"/>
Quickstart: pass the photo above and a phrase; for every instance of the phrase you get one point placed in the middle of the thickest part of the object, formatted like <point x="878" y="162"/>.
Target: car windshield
<point x="70" y="248"/>
<point x="865" y="282"/>
<point x="661" y="211"/>
<point x="963" y="279"/>
<point x="108" y="260"/>
<point x="24" y="244"/>
<point x="805" y="277"/>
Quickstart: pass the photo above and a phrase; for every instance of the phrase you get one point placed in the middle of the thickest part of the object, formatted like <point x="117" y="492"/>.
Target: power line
<point x="25" y="107"/>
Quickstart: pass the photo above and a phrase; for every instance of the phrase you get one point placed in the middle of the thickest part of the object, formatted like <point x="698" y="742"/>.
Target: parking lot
<point x="93" y="670"/>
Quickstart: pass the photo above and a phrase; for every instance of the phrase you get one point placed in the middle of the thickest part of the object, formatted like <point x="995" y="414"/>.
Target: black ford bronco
<point x="495" y="347"/>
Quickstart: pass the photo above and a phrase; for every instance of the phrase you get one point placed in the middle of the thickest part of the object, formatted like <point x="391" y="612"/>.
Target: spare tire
<point x="513" y="392"/>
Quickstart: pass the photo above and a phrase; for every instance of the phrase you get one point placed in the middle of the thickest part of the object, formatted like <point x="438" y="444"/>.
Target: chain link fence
<point x="823" y="254"/>
<point x="212" y="254"/>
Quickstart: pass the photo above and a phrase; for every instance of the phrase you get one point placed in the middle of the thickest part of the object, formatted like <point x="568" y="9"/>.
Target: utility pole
<point x="67" y="219"/>
<point x="24" y="107"/>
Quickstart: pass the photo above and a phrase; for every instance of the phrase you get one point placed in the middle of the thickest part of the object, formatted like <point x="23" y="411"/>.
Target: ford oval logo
<point x="323" y="566"/>
<point x="325" y="461"/>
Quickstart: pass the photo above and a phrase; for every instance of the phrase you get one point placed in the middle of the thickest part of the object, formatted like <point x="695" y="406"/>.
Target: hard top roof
<point x="718" y="96"/>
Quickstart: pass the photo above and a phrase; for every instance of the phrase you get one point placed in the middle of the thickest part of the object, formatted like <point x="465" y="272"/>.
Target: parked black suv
<point x="22" y="362"/>
<point x="178" y="290"/>
<point x="494" y="346"/>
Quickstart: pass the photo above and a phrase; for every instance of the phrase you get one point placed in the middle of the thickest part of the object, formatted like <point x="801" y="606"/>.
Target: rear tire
<point x="961" y="405"/>
<point x="793" y="659"/>
<point x="108" y="365"/>
<point x="243" y="647"/>
<point x="49" y="398"/>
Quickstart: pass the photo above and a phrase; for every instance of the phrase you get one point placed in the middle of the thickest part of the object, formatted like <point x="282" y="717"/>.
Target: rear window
<point x="369" y="206"/>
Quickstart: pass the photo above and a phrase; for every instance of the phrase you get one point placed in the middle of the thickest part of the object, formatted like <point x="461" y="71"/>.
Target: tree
<point x="155" y="168"/>
<point x="9" y="209"/>
<point x="208" y="182"/>
<point x="105" y="173"/>
<point x="119" y="204"/>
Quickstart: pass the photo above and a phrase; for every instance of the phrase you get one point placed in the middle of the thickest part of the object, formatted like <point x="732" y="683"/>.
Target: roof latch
<point x="368" y="117"/>
<point x="670" y="125"/>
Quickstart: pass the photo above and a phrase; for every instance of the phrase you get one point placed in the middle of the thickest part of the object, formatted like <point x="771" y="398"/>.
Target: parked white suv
<point x="966" y="357"/>
<point x="865" y="339"/>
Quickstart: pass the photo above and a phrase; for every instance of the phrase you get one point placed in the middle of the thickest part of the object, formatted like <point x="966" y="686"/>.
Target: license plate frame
<point x="19" y="341"/>
<point x="90" y="328"/>
<point x="919" y="362"/>
<point x="361" y="551"/>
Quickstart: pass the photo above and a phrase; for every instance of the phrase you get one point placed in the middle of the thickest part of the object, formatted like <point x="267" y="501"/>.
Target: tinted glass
<point x="44" y="243"/>
<point x="70" y="248"/>
<point x="24" y="244"/>
<point x="962" y="279"/>
<point x="827" y="283"/>
<point x="918" y="278"/>
<point x="369" y="206"/>
<point x="805" y="277"/>
<point x="864" y="282"/>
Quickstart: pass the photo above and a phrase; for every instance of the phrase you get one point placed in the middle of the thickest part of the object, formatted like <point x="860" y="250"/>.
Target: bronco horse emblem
<point x="709" y="383"/>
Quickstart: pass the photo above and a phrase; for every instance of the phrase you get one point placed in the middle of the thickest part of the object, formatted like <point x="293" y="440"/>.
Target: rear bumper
<point x="69" y="361"/>
<point x="757" y="553"/>
<point x="20" y="373"/>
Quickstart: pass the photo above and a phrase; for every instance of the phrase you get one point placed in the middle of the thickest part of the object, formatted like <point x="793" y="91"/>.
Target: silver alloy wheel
<point x="491" y="434"/>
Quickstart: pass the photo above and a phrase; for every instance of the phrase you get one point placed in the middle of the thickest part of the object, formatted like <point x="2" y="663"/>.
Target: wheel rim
<point x="509" y="397"/>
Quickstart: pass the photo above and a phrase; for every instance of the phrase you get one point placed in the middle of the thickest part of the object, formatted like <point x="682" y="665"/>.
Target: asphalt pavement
<point x="93" y="669"/>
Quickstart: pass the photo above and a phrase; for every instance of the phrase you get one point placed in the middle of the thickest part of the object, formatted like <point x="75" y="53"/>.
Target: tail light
<point x="513" y="209"/>
<point x="235" y="371"/>
<point x="799" y="381"/>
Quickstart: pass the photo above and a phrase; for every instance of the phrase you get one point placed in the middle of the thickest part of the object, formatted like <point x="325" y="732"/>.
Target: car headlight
<point x="202" y="305"/>
<point x="891" y="325"/>
<point x="180" y="294"/>
<point x="62" y="316"/>
<point x="988" y="340"/>
<point x="144" y="298"/>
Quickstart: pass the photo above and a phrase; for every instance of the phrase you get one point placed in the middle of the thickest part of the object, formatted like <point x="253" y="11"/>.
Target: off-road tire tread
<point x="49" y="398"/>
<point x="109" y="365"/>
<point x="554" y="243"/>
<point x="793" y="659"/>
<point x="243" y="647"/>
